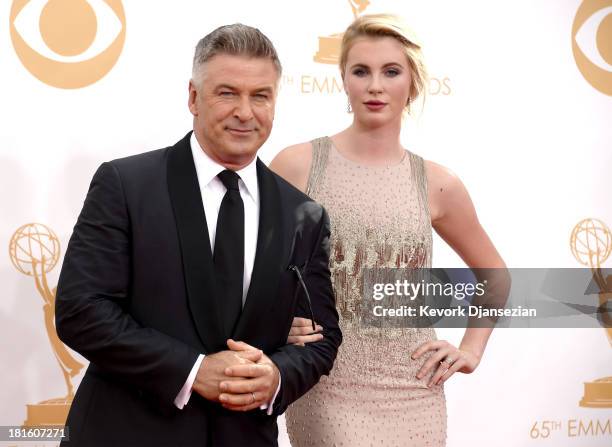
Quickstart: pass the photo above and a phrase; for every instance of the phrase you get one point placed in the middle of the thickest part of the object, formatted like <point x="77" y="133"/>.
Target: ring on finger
<point x="253" y="394"/>
<point x="448" y="361"/>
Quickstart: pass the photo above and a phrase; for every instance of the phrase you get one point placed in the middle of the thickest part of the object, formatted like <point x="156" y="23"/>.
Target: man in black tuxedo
<point x="180" y="251"/>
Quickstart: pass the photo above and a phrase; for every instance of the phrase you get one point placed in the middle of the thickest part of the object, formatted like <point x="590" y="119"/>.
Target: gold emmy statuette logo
<point x="329" y="46"/>
<point x="68" y="43"/>
<point x="34" y="250"/>
<point x="591" y="244"/>
<point x="592" y="43"/>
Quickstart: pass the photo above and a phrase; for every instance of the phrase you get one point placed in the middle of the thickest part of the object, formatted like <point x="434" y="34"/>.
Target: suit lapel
<point x="263" y="288"/>
<point x="192" y="230"/>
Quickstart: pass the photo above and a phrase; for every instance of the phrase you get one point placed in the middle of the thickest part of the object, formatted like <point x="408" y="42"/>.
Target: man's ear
<point x="193" y="94"/>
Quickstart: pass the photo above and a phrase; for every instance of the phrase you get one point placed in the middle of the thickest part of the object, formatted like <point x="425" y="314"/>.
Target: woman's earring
<point x="349" y="109"/>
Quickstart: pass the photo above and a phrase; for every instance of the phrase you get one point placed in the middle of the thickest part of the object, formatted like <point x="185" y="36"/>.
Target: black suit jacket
<point x="136" y="298"/>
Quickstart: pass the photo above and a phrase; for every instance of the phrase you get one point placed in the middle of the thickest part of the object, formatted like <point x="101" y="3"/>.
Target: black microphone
<point x="301" y="281"/>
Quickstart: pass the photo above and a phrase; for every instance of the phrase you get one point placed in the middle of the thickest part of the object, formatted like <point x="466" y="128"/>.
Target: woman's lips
<point x="375" y="105"/>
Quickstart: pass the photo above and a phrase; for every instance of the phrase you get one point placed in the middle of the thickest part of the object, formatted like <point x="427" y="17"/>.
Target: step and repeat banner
<point x="519" y="106"/>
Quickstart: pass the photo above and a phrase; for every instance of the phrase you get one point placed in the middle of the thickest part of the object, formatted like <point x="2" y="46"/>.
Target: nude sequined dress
<point x="379" y="218"/>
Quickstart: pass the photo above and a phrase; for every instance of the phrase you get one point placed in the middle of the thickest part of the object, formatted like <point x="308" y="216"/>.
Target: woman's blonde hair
<point x="389" y="25"/>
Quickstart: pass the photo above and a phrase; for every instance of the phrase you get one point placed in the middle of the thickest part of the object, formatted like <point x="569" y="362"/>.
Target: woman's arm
<point x="454" y="218"/>
<point x="293" y="164"/>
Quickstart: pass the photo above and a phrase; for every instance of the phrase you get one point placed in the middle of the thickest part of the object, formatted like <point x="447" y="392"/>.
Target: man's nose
<point x="243" y="110"/>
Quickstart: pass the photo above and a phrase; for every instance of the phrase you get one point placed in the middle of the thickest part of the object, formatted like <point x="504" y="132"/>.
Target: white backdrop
<point x="515" y="118"/>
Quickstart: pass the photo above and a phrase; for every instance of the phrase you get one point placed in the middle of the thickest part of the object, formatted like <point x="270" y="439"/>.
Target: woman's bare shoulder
<point x="293" y="164"/>
<point x="440" y="176"/>
<point x="444" y="189"/>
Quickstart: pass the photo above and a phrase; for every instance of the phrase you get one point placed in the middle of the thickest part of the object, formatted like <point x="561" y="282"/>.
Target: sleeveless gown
<point x="379" y="218"/>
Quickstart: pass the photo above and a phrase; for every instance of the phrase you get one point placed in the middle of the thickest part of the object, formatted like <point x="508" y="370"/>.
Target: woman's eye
<point x="392" y="72"/>
<point x="359" y="72"/>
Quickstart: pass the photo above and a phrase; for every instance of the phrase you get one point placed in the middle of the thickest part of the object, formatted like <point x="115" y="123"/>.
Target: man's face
<point x="232" y="104"/>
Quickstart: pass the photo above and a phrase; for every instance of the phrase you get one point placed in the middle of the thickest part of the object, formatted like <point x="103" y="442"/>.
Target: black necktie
<point x="228" y="255"/>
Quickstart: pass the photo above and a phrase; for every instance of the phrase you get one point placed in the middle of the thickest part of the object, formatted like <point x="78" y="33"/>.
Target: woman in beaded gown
<point x="386" y="385"/>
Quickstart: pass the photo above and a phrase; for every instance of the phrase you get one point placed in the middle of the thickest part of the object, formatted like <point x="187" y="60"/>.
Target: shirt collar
<point x="207" y="169"/>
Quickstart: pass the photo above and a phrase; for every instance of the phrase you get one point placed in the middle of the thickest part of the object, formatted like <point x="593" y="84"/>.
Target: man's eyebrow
<point x="266" y="89"/>
<point x="226" y="86"/>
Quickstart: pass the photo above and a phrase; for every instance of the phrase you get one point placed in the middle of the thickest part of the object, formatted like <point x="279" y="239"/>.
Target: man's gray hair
<point x="238" y="40"/>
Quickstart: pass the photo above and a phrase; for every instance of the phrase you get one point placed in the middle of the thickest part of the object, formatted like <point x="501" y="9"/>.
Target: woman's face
<point x="377" y="80"/>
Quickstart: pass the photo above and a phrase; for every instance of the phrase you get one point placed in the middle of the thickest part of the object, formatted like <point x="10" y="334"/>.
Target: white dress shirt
<point x="212" y="191"/>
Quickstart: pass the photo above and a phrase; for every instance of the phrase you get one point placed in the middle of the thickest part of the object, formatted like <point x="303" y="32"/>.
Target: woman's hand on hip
<point x="446" y="360"/>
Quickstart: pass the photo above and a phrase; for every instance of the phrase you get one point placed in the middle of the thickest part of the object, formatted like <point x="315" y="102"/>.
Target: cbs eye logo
<point x="592" y="43"/>
<point x="68" y="43"/>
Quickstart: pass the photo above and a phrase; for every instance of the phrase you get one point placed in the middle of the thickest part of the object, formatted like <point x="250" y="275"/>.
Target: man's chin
<point x="240" y="156"/>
